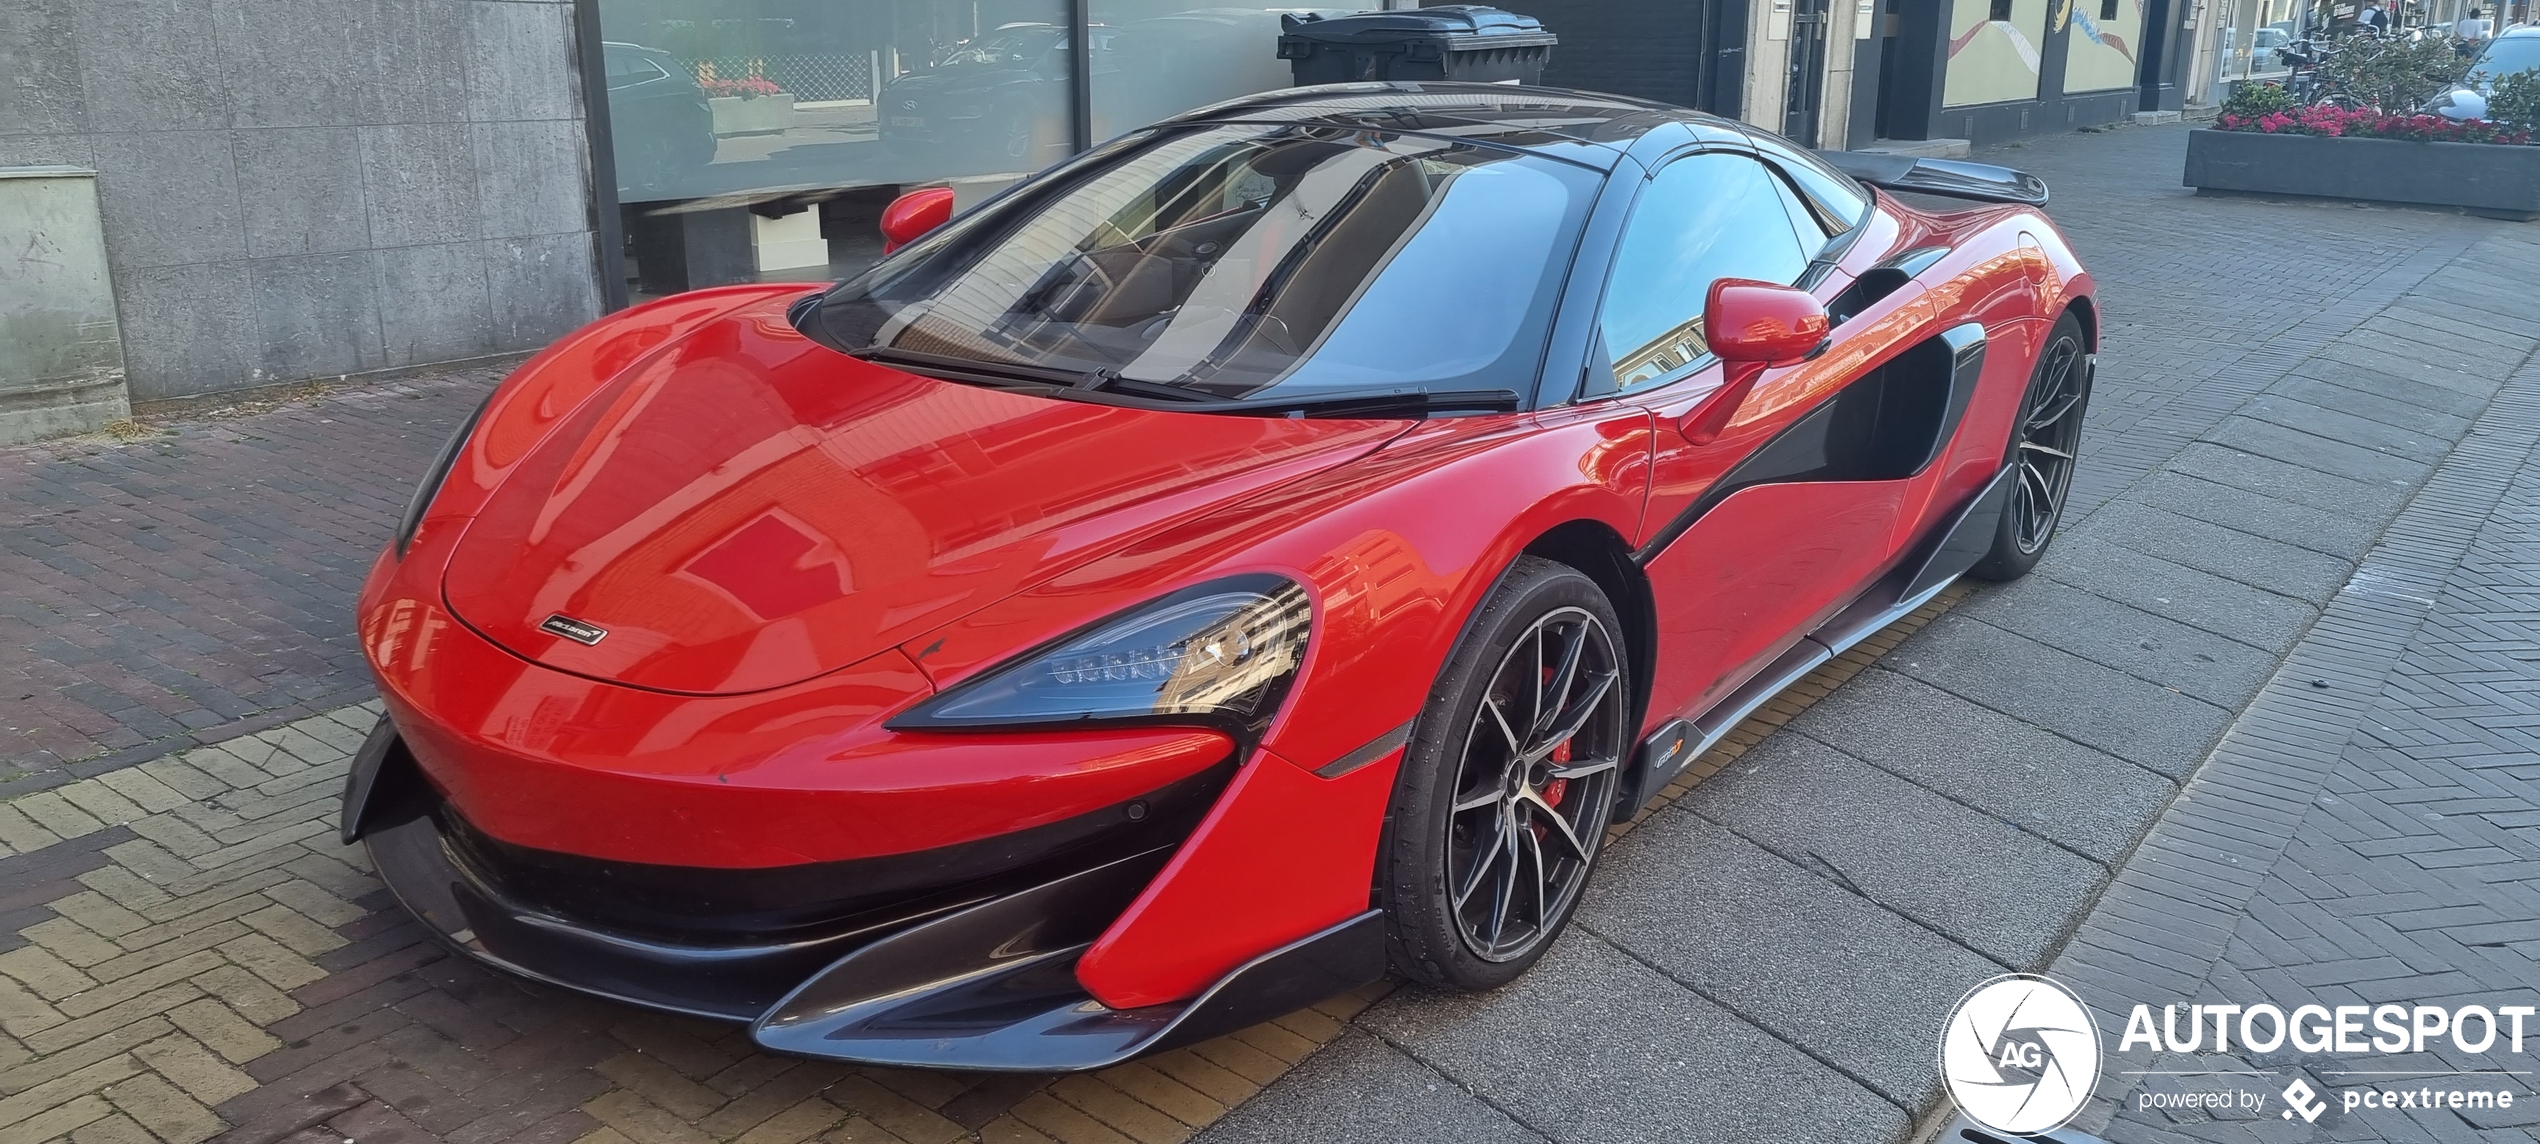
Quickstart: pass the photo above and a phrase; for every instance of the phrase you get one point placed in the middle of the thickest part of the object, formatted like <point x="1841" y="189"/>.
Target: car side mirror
<point x="911" y="216"/>
<point x="1752" y="327"/>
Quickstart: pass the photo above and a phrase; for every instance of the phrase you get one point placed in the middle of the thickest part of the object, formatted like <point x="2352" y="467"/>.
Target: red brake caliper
<point x="1552" y="791"/>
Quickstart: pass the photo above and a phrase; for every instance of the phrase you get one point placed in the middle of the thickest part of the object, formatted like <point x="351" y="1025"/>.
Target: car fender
<point x="1399" y="549"/>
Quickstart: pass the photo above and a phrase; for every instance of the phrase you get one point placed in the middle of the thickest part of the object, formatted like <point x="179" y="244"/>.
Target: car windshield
<point x="1013" y="46"/>
<point x="1243" y="262"/>
<point x="2507" y="56"/>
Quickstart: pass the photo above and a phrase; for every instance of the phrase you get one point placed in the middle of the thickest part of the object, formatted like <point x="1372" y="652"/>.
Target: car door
<point x="1749" y="541"/>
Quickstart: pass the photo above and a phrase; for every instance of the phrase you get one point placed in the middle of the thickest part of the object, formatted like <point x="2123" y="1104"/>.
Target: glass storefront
<point x="2254" y="34"/>
<point x="760" y="139"/>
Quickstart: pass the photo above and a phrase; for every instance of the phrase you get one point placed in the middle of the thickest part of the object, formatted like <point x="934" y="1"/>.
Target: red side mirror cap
<point x="910" y="216"/>
<point x="1748" y="321"/>
<point x="1752" y="326"/>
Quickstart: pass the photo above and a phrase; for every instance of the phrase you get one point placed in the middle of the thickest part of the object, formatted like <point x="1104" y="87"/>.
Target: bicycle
<point x="2306" y="83"/>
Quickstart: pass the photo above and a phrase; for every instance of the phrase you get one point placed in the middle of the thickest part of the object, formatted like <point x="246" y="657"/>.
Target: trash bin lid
<point x="1446" y="22"/>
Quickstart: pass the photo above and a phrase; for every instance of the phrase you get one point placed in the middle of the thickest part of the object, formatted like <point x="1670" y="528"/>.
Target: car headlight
<point x="432" y="478"/>
<point x="1221" y="652"/>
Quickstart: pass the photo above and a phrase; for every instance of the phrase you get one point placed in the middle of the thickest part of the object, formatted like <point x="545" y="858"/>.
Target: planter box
<point x="2481" y="178"/>
<point x="765" y="115"/>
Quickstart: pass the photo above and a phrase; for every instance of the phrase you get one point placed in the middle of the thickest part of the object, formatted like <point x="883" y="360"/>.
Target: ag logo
<point x="2020" y="1054"/>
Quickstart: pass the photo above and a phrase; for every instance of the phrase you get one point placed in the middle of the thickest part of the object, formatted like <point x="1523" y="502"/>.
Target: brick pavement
<point x="2369" y="832"/>
<point x="195" y="580"/>
<point x="187" y="954"/>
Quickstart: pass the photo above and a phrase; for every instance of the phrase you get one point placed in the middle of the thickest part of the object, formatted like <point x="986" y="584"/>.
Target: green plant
<point x="2516" y="100"/>
<point x="2392" y="74"/>
<point x="2254" y="100"/>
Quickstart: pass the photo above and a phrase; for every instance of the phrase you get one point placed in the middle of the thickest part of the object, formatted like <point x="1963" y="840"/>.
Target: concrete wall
<point x="308" y="188"/>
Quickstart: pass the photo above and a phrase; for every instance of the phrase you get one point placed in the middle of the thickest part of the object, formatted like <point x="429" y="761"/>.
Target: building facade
<point x="292" y="190"/>
<point x="300" y="189"/>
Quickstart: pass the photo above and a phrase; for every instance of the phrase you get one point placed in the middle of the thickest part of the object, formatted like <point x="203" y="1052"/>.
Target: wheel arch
<point x="1596" y="551"/>
<point x="2086" y="311"/>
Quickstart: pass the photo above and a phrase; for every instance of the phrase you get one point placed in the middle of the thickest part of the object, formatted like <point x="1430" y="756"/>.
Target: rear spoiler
<point x="1953" y="178"/>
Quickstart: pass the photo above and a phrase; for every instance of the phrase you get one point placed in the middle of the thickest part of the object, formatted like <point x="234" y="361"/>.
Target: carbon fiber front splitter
<point x="977" y="980"/>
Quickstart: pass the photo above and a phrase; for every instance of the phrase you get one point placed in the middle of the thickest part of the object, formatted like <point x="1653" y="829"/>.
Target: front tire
<point x="2044" y="442"/>
<point x="1500" y="809"/>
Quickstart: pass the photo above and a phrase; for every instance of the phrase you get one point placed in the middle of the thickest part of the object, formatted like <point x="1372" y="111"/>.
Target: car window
<point x="1804" y="218"/>
<point x="1840" y="203"/>
<point x="1248" y="262"/>
<point x="1701" y="218"/>
<point x="2507" y="56"/>
<point x="626" y="71"/>
<point x="1839" y="200"/>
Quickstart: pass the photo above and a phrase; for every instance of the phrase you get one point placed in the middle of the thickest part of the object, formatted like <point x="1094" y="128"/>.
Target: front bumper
<point x="959" y="958"/>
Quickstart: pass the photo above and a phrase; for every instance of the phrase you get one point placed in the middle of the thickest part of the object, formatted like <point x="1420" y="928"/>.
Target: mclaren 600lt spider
<point x="1259" y="552"/>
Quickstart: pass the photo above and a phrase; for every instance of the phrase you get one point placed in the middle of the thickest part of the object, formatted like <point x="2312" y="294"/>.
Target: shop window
<point x="749" y="135"/>
<point x="1168" y="56"/>
<point x="739" y="127"/>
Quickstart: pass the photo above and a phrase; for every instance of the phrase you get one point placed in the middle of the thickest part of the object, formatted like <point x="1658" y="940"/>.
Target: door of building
<point x="1688" y="52"/>
<point x="1804" y="99"/>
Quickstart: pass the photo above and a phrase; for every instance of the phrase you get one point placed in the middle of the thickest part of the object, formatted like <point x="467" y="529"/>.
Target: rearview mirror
<point x="910" y="216"/>
<point x="1751" y="327"/>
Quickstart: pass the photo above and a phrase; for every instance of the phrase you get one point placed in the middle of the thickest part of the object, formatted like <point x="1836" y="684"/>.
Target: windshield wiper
<point x="1040" y="379"/>
<point x="1055" y="381"/>
<point x="1004" y="375"/>
<point x="1376" y="402"/>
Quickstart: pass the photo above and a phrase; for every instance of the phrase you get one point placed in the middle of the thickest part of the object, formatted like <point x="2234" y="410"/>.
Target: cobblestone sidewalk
<point x="190" y="955"/>
<point x="194" y="580"/>
<point x="2369" y="831"/>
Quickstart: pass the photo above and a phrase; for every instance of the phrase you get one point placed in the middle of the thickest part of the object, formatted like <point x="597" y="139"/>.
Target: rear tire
<point x="2044" y="441"/>
<point x="1500" y="809"/>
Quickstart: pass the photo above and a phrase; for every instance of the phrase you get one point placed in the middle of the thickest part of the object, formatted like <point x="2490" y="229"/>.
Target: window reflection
<point x="1240" y="260"/>
<point x="717" y="97"/>
<point x="1703" y="218"/>
<point x="760" y="139"/>
<point x="1167" y="57"/>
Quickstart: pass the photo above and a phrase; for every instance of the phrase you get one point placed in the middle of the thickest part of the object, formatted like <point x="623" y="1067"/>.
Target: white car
<point x="2513" y="50"/>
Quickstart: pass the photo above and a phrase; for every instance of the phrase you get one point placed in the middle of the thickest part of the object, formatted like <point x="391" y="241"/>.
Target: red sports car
<point x="1264" y="549"/>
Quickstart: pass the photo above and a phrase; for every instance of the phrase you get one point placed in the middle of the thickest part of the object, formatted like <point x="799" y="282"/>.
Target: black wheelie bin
<point x="1448" y="42"/>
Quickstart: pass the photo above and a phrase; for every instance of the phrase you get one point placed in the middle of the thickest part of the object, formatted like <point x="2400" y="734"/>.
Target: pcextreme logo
<point x="2020" y="1054"/>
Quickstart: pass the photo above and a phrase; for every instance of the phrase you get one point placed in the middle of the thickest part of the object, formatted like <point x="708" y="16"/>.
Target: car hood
<point x="744" y="509"/>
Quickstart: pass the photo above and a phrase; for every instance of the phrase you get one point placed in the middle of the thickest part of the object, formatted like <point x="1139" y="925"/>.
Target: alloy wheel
<point x="1535" y="785"/>
<point x="2050" y="429"/>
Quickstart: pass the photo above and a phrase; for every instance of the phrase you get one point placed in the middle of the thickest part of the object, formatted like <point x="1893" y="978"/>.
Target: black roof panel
<point x="1532" y="118"/>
